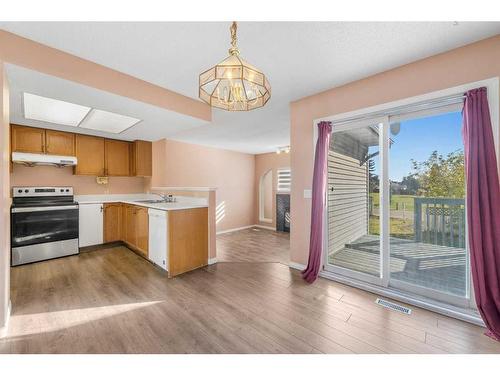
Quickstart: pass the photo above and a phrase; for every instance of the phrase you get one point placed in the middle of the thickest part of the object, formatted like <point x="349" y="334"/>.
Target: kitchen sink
<point x="152" y="201"/>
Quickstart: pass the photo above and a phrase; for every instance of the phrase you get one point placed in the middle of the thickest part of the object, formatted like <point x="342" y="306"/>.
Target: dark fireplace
<point x="283" y="212"/>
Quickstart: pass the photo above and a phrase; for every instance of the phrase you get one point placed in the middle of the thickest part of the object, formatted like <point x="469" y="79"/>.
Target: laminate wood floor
<point x="113" y="301"/>
<point x="254" y="245"/>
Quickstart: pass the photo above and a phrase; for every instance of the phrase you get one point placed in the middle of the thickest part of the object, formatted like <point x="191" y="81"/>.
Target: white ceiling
<point x="300" y="59"/>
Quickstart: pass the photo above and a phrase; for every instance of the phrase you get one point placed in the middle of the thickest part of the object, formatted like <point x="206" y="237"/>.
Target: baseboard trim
<point x="423" y="303"/>
<point x="234" y="229"/>
<point x="4" y="329"/>
<point x="297" y="266"/>
<point x="263" y="227"/>
<point x="212" y="261"/>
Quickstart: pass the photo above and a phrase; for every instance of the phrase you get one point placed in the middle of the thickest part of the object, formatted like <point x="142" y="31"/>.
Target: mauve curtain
<point x="483" y="207"/>
<point x="319" y="186"/>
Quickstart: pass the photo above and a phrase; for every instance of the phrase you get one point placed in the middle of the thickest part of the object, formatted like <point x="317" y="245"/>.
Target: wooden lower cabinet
<point x="112" y="222"/>
<point x="135" y="228"/>
<point x="187" y="240"/>
<point x="142" y="230"/>
<point x="187" y="234"/>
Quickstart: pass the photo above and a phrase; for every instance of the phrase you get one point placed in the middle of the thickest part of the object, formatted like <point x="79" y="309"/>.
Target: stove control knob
<point x="67" y="190"/>
<point x="62" y="190"/>
<point x="19" y="191"/>
<point x="26" y="191"/>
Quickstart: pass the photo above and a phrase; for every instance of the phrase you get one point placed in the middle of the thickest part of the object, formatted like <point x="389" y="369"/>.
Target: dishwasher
<point x="158" y="249"/>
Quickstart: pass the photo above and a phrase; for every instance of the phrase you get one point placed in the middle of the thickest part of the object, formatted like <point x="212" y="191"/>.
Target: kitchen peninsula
<point x="172" y="235"/>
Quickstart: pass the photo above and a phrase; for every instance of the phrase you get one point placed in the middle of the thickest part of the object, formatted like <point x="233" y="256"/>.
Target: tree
<point x="374" y="180"/>
<point x="441" y="176"/>
<point x="411" y="184"/>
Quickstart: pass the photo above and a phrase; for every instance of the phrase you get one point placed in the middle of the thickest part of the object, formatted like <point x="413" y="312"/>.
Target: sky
<point x="418" y="138"/>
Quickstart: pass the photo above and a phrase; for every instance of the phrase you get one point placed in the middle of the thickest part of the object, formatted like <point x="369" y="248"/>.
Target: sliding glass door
<point x="396" y="206"/>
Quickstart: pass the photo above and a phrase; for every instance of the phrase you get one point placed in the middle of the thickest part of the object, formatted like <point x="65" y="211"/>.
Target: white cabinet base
<point x="90" y="221"/>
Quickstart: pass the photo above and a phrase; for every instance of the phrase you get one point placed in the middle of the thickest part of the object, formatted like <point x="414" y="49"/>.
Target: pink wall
<point x="263" y="163"/>
<point x="178" y="164"/>
<point x="4" y="199"/>
<point x="471" y="63"/>
<point x="52" y="176"/>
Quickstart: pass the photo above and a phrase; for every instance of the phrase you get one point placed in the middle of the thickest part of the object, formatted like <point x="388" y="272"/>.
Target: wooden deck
<point x="432" y="266"/>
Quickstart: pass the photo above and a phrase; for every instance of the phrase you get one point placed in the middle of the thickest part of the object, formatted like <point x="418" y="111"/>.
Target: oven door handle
<point x="40" y="209"/>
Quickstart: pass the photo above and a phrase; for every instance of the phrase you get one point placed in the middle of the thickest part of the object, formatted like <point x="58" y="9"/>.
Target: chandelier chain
<point x="233" y="29"/>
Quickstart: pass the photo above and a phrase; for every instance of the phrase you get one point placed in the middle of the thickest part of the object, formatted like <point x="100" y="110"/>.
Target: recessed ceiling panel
<point x="108" y="121"/>
<point x="52" y="110"/>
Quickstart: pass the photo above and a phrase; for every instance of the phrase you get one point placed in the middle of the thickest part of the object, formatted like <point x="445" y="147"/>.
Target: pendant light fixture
<point x="233" y="84"/>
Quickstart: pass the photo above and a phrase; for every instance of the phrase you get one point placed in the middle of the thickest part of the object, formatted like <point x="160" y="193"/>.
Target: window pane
<point x="353" y="200"/>
<point x="427" y="207"/>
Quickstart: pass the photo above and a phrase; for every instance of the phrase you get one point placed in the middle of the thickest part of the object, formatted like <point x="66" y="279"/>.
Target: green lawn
<point x="395" y="199"/>
<point x="399" y="228"/>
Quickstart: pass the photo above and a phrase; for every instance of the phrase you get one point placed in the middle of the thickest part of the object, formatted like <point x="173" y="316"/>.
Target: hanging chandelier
<point x="233" y="84"/>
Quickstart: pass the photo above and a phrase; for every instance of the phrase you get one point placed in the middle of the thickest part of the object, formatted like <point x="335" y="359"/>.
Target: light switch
<point x="307" y="193"/>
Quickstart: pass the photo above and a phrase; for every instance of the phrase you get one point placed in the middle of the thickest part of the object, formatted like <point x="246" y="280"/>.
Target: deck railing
<point x="440" y="221"/>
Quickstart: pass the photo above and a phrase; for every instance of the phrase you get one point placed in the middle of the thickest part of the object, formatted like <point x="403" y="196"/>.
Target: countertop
<point x="182" y="202"/>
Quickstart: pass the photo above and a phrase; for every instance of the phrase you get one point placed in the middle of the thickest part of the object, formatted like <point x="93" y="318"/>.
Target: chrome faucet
<point x="168" y="198"/>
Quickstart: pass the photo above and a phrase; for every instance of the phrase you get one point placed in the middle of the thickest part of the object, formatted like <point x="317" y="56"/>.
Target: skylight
<point x="64" y="113"/>
<point x="52" y="110"/>
<point x="108" y="121"/>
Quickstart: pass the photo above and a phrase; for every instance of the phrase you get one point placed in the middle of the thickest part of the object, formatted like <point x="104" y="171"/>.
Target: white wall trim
<point x="5" y="328"/>
<point x="234" y="229"/>
<point x="441" y="308"/>
<point x="212" y="261"/>
<point x="262" y="196"/>
<point x="263" y="227"/>
<point x="246" y="227"/>
<point x="297" y="266"/>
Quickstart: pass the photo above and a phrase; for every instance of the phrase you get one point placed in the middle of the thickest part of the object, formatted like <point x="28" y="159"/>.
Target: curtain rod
<point x="408" y="108"/>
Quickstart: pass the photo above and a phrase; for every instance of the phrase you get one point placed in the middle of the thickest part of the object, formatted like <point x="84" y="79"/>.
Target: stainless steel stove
<point x="44" y="224"/>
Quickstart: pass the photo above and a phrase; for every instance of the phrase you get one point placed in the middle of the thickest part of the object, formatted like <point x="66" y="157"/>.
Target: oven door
<point x="38" y="225"/>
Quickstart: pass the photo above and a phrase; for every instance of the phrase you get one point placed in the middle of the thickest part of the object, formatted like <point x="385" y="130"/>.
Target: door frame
<point x="395" y="287"/>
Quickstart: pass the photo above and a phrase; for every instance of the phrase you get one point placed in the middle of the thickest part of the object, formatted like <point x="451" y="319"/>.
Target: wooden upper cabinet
<point x="27" y="139"/>
<point x="141" y="159"/>
<point x="142" y="230"/>
<point x="117" y="158"/>
<point x="112" y="222"/>
<point x="59" y="143"/>
<point x="90" y="155"/>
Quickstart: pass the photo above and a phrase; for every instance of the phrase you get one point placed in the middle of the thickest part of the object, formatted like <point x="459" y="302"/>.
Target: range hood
<point x="41" y="159"/>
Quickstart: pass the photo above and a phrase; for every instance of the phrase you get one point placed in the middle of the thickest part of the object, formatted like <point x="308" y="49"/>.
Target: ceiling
<point x="156" y="123"/>
<point x="299" y="58"/>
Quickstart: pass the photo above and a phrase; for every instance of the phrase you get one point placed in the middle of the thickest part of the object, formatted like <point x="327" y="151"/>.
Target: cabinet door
<point x="117" y="158"/>
<point x="90" y="224"/>
<point x="187" y="240"/>
<point x="142" y="159"/>
<point x="142" y="229"/>
<point x="90" y="155"/>
<point x="59" y="143"/>
<point x="26" y="139"/>
<point x="130" y="231"/>
<point x="112" y="222"/>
